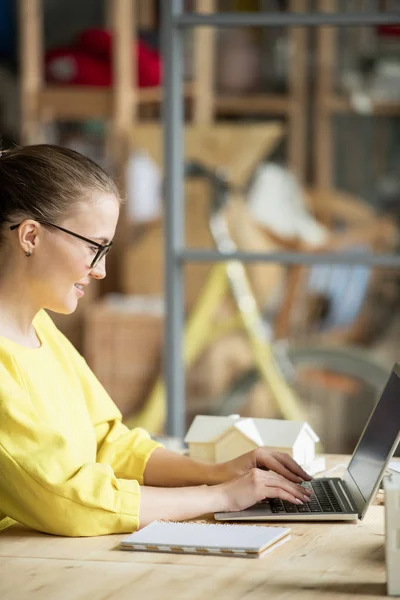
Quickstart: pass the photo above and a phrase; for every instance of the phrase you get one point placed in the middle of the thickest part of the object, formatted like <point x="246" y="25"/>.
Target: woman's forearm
<point x="178" y="504"/>
<point x="226" y="489"/>
<point x="169" y="469"/>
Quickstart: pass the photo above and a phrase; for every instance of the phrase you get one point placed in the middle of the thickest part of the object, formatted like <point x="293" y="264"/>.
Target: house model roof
<point x="263" y="432"/>
<point x="275" y="431"/>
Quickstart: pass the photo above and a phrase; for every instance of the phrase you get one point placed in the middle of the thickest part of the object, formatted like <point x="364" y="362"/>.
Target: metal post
<point x="174" y="217"/>
<point x="276" y="19"/>
<point x="295" y="258"/>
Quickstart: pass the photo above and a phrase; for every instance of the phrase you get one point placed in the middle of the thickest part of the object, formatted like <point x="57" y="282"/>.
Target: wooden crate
<point x="123" y="345"/>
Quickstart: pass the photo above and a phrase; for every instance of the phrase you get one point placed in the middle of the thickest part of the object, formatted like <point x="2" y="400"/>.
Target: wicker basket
<point x="123" y="346"/>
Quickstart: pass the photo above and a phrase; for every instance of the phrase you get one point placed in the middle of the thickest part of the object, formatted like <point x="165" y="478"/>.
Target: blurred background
<point x="304" y="125"/>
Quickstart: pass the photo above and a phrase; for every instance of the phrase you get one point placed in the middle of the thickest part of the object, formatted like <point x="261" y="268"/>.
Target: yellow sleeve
<point x="126" y="450"/>
<point x="44" y="485"/>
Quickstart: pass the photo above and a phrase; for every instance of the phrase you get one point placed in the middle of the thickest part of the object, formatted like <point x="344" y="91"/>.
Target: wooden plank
<point x="70" y="102"/>
<point x="342" y="105"/>
<point x="323" y="142"/>
<point x="41" y="579"/>
<point x="146" y="14"/>
<point x="232" y="580"/>
<point x="80" y="102"/>
<point x="31" y="68"/>
<point x="124" y="69"/>
<point x="123" y="115"/>
<point x="257" y="104"/>
<point x="204" y="62"/>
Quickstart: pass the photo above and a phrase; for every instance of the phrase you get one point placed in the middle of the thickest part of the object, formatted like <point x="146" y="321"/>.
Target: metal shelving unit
<point x="173" y="22"/>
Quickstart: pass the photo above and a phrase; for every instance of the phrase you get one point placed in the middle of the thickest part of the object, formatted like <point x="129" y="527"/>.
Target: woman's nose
<point x="99" y="271"/>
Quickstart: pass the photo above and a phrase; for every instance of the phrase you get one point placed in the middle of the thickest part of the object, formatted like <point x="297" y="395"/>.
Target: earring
<point x="28" y="253"/>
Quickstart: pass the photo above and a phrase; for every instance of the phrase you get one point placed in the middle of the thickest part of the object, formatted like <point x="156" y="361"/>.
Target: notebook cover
<point x="250" y="541"/>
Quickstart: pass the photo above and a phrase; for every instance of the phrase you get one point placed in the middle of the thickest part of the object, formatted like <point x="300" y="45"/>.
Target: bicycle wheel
<point x="337" y="388"/>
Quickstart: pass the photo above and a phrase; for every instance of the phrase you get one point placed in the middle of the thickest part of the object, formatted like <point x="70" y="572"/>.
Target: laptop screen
<point x="378" y="438"/>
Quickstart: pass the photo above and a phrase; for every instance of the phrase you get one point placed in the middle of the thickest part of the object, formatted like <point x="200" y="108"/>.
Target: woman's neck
<point x="17" y="313"/>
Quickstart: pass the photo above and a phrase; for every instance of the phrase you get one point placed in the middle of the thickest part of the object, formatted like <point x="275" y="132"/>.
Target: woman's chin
<point x="64" y="308"/>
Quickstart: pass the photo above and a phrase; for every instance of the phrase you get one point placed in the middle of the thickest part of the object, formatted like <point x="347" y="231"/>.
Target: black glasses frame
<point x="103" y="249"/>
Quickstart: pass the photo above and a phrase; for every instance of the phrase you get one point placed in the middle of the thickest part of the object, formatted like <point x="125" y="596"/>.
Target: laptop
<point x="346" y="498"/>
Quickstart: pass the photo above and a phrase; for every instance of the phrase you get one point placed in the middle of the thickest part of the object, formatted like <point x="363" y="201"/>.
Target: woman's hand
<point x="256" y="485"/>
<point x="183" y="503"/>
<point x="263" y="459"/>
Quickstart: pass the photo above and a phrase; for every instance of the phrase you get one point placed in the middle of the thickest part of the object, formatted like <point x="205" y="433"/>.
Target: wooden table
<point x="333" y="560"/>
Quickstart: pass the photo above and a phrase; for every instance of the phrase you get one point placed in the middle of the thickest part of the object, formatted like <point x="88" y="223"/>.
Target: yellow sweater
<point x="68" y="466"/>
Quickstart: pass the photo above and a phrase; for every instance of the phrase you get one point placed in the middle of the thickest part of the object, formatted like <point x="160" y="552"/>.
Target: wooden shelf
<point x="80" y="102"/>
<point x="121" y="104"/>
<point x="340" y="104"/>
<point x="256" y="104"/>
<point x="63" y="102"/>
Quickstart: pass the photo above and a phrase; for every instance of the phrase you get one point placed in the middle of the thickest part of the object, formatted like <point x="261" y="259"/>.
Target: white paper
<point x="394" y="465"/>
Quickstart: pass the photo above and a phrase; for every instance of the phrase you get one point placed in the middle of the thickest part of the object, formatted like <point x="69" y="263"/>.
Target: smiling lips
<point x="79" y="287"/>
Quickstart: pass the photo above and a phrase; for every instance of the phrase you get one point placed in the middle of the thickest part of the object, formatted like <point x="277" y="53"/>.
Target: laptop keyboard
<point x="323" y="500"/>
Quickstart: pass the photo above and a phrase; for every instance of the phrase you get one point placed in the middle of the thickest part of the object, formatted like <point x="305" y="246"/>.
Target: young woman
<point x="68" y="466"/>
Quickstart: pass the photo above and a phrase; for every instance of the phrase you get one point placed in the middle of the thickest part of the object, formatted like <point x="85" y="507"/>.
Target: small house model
<point x="218" y="439"/>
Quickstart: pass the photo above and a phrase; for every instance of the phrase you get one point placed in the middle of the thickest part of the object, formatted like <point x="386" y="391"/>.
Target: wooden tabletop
<point x="333" y="560"/>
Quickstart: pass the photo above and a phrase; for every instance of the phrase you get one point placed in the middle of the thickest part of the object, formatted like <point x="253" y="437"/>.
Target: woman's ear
<point x="28" y="235"/>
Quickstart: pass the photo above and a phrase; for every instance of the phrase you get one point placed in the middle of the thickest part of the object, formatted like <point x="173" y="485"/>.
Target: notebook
<point x="249" y="541"/>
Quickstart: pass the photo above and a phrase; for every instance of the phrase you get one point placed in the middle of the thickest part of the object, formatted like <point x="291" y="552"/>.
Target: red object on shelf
<point x="97" y="42"/>
<point x="388" y="30"/>
<point x="89" y="61"/>
<point x="71" y="66"/>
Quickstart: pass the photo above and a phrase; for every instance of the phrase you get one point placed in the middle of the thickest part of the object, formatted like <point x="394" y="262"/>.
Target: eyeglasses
<point x="102" y="250"/>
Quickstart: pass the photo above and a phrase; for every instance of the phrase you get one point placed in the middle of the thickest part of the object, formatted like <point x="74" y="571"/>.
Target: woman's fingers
<point x="276" y="465"/>
<point x="277" y="485"/>
<point x="283" y="464"/>
<point x="290" y="498"/>
<point x="292" y="465"/>
<point x="258" y="484"/>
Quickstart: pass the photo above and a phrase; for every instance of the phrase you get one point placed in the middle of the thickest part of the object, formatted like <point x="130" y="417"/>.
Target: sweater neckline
<point x="16" y="347"/>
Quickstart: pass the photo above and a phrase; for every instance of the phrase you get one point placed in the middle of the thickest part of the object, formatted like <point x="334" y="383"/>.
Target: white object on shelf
<point x="218" y="439"/>
<point x="391" y="486"/>
<point x="143" y="182"/>
<point x="276" y="201"/>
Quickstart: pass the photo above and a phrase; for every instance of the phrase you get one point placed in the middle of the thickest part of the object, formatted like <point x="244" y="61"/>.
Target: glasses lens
<point x="100" y="255"/>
